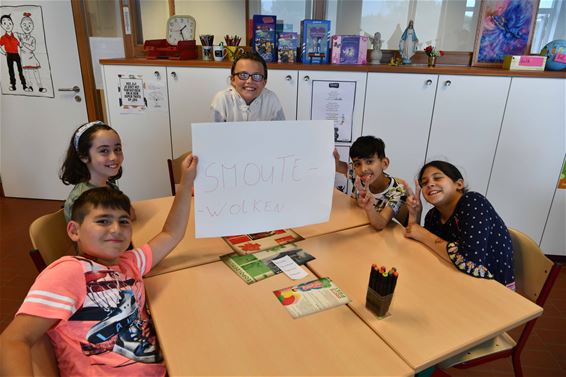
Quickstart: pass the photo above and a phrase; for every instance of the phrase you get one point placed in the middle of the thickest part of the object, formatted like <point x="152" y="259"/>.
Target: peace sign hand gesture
<point x="414" y="204"/>
<point x="365" y="198"/>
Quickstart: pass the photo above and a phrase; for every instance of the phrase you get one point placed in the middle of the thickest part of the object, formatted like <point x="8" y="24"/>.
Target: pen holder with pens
<point x="380" y="291"/>
<point x="377" y="303"/>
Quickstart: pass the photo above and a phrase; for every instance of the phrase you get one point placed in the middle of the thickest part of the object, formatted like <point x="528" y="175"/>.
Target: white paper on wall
<point x="334" y="100"/>
<point x="260" y="176"/>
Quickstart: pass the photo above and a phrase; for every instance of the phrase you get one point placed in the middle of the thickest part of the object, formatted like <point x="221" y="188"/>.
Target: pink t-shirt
<point x="104" y="326"/>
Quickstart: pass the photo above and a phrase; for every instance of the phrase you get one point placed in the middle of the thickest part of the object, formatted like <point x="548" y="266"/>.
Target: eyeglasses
<point x="245" y="75"/>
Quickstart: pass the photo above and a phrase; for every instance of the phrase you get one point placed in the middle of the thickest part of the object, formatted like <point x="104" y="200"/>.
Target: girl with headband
<point x="94" y="159"/>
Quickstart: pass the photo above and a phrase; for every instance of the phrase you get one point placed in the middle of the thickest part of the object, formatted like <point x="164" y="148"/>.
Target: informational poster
<point x="260" y="176"/>
<point x="139" y="94"/>
<point x="334" y="100"/>
<point x="24" y="62"/>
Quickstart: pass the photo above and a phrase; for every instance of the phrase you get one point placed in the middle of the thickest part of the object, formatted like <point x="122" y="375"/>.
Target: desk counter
<point x="436" y="312"/>
<point x="191" y="251"/>
<point x="345" y="214"/>
<point x="151" y="215"/>
<point x="209" y="322"/>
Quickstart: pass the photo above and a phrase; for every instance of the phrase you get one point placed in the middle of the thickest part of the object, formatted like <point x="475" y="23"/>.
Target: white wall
<point x="217" y="17"/>
<point x="154" y="15"/>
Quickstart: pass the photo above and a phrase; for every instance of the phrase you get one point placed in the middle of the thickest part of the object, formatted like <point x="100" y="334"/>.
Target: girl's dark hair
<point x="250" y="55"/>
<point x="447" y="168"/>
<point x="74" y="170"/>
<point x="104" y="197"/>
<point x="366" y="147"/>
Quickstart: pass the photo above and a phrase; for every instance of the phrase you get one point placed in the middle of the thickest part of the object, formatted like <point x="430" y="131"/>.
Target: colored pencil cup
<point x="377" y="303"/>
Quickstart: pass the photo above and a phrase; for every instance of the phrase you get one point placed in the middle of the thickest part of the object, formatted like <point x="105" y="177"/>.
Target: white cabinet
<point x="305" y="95"/>
<point x="284" y="84"/>
<point x="529" y="155"/>
<point x="398" y="109"/>
<point x="144" y="130"/>
<point x="553" y="237"/>
<point x="191" y="90"/>
<point x="466" y="121"/>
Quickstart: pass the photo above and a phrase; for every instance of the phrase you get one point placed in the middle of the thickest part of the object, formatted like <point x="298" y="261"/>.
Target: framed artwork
<point x="505" y="27"/>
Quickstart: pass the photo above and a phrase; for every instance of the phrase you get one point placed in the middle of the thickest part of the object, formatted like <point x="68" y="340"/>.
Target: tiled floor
<point x="545" y="354"/>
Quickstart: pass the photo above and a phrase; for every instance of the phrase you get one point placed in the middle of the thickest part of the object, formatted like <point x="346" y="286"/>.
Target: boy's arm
<point x="176" y="223"/>
<point x="341" y="166"/>
<point x="378" y="219"/>
<point x="17" y="340"/>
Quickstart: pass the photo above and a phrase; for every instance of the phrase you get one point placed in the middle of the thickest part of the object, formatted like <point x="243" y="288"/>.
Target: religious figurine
<point x="408" y="43"/>
<point x="376" y="54"/>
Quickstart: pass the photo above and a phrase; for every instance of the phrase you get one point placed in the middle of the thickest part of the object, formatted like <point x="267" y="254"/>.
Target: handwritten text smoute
<point x="225" y="176"/>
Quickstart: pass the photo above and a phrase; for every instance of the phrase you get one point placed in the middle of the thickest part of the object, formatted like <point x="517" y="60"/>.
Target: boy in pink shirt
<point x="92" y="305"/>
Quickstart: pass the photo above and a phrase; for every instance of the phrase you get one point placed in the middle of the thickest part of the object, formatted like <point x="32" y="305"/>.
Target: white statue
<point x="408" y="43"/>
<point x="376" y="54"/>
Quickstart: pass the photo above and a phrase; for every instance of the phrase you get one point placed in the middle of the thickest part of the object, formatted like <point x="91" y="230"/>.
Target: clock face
<point x="180" y="28"/>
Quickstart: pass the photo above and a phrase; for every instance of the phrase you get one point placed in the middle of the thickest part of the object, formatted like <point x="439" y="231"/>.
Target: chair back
<point x="48" y="235"/>
<point x="532" y="267"/>
<point x="174" y="167"/>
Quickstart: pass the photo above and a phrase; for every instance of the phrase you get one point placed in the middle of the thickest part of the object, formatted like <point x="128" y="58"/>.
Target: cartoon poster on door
<point x="24" y="62"/>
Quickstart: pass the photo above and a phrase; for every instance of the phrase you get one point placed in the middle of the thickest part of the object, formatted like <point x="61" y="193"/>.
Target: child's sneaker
<point x="120" y="318"/>
<point x="132" y="344"/>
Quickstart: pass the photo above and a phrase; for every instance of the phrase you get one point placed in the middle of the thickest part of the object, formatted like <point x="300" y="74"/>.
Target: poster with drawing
<point x="24" y="61"/>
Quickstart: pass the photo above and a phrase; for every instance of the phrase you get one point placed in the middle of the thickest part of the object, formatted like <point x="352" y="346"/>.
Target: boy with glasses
<point x="247" y="99"/>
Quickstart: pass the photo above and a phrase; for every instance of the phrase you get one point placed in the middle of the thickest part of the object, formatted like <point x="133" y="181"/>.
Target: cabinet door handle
<point x="174" y="75"/>
<point x="157" y="75"/>
<point x="447" y="83"/>
<point x="306" y="78"/>
<point x="75" y="89"/>
<point x="288" y="78"/>
<point x="428" y="82"/>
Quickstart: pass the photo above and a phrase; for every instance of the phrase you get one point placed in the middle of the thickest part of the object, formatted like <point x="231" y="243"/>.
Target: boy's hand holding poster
<point x="259" y="176"/>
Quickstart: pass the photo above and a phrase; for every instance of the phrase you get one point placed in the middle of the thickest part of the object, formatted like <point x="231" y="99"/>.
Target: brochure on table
<point x="254" y="242"/>
<point x="258" y="266"/>
<point x="312" y="297"/>
<point x="259" y="176"/>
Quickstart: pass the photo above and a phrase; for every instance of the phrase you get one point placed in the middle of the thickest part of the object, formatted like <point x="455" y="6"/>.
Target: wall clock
<point x="180" y="28"/>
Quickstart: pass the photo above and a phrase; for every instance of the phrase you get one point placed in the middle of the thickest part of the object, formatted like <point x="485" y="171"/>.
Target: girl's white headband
<point x="81" y="131"/>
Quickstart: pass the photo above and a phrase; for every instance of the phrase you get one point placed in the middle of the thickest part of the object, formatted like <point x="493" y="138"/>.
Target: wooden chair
<point x="535" y="275"/>
<point x="49" y="239"/>
<point x="174" y="167"/>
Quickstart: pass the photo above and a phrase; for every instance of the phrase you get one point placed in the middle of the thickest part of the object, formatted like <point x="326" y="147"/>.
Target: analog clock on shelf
<point x="180" y="28"/>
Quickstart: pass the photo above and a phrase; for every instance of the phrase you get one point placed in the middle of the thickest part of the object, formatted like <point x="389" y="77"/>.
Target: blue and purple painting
<point x="505" y="29"/>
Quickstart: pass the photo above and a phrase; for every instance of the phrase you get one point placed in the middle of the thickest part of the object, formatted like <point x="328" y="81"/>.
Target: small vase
<point x="431" y="61"/>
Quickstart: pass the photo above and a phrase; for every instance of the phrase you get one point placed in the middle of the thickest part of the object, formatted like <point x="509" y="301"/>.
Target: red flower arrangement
<point x="433" y="52"/>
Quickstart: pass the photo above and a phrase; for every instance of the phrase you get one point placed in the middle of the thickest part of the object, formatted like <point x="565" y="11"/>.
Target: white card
<point x="290" y="267"/>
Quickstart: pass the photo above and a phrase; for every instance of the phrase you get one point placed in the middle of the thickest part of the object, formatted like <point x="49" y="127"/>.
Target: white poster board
<point x="260" y="176"/>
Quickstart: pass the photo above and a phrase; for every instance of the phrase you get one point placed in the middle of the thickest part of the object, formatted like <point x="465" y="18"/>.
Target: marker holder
<point x="377" y="303"/>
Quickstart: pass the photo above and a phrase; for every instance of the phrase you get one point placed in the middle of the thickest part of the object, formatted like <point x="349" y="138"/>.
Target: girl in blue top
<point x="463" y="226"/>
